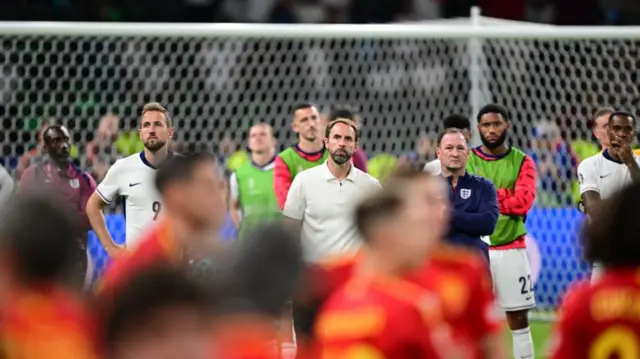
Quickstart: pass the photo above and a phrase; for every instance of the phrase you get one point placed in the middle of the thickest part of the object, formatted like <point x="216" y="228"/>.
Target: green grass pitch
<point x="540" y="332"/>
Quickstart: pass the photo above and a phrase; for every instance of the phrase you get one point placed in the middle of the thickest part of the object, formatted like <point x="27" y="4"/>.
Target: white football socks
<point x="522" y="343"/>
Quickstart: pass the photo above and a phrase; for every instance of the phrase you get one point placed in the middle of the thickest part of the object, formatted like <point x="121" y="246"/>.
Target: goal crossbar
<point x="331" y="31"/>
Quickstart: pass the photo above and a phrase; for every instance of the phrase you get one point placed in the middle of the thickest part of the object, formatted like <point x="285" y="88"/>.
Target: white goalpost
<point x="217" y="79"/>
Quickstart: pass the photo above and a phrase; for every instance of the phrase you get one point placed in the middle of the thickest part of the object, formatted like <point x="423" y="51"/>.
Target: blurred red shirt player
<point x="39" y="316"/>
<point x="601" y="319"/>
<point x="377" y="313"/>
<point x="193" y="209"/>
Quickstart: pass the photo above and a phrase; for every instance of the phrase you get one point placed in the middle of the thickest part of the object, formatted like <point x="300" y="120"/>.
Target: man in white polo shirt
<point x="321" y="199"/>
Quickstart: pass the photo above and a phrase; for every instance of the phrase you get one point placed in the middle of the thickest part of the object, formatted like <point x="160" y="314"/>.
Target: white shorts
<point x="512" y="280"/>
<point x="597" y="270"/>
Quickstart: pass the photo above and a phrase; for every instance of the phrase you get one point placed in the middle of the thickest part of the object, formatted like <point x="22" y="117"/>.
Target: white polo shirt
<point x="325" y="207"/>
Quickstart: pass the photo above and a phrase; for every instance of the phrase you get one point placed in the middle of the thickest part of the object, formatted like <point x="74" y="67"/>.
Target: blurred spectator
<point x="541" y="11"/>
<point x="556" y="164"/>
<point x="511" y="10"/>
<point x="283" y="13"/>
<point x="100" y="151"/>
<point x="424" y="152"/>
<point x="578" y="12"/>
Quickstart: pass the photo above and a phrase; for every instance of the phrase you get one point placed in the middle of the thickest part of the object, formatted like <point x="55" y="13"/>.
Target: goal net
<point x="217" y="79"/>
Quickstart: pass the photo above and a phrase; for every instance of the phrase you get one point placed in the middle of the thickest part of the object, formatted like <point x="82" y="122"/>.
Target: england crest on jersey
<point x="465" y="193"/>
<point x="74" y="183"/>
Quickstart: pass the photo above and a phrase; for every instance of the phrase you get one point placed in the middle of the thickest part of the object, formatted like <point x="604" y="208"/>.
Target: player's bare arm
<point x="99" y="225"/>
<point x="234" y="212"/>
<point x="591" y="202"/>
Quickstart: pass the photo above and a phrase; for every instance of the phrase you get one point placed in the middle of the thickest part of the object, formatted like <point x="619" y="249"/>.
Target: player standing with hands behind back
<point x="513" y="174"/>
<point x="133" y="178"/>
<point x="602" y="175"/>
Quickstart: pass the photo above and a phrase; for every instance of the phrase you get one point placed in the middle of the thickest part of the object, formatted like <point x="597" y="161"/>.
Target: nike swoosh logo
<point x="601" y="176"/>
<point x="527" y="298"/>
<point x="134" y="184"/>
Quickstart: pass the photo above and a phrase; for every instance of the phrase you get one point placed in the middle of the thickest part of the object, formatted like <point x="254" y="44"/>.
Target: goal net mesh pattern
<point x="217" y="87"/>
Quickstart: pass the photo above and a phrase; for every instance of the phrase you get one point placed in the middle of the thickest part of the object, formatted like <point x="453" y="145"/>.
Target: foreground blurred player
<point x="132" y="178"/>
<point x="600" y="176"/>
<point x="513" y="173"/>
<point x="73" y="184"/>
<point x="600" y="319"/>
<point x="264" y="276"/>
<point x="377" y="314"/>
<point x="159" y="313"/>
<point x="39" y="318"/>
<point x="253" y="200"/>
<point x="307" y="153"/>
<point x="192" y="190"/>
<point x="458" y="277"/>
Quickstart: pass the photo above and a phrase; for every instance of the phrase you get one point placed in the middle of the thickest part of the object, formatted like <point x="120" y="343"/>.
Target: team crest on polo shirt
<point x="74" y="183"/>
<point x="465" y="193"/>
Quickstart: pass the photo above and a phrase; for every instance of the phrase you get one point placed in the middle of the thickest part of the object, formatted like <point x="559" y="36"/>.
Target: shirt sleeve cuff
<point x="292" y="214"/>
<point x="103" y="197"/>
<point x="589" y="189"/>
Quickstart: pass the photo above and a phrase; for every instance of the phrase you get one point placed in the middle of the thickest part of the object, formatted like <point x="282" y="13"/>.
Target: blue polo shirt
<point x="474" y="211"/>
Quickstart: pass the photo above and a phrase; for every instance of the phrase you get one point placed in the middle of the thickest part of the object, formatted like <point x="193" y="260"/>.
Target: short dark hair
<point x="494" y="108"/>
<point x="622" y="114"/>
<point x="300" y="106"/>
<point x="611" y="237"/>
<point x="344" y="112"/>
<point x="375" y="209"/>
<point x="179" y="168"/>
<point x="268" y="268"/>
<point x="147" y="293"/>
<point x="40" y="232"/>
<point x="383" y="204"/>
<point x="457" y="121"/>
<point x="327" y="130"/>
<point x="448" y="131"/>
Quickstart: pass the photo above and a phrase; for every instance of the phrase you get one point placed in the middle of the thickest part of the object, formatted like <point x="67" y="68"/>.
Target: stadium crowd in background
<point x="561" y="12"/>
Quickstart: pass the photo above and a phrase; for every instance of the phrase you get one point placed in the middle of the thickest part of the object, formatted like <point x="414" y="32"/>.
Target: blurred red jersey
<point x="380" y="318"/>
<point x="461" y="281"/>
<point x="157" y="246"/>
<point x="46" y="323"/>
<point x="601" y="319"/>
<point x="246" y="337"/>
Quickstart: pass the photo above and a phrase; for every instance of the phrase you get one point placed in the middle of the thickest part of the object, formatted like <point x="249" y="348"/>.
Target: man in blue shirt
<point x="473" y="198"/>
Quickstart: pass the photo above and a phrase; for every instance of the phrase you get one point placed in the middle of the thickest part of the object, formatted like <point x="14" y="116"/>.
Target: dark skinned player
<point x="607" y="172"/>
<point x="74" y="185"/>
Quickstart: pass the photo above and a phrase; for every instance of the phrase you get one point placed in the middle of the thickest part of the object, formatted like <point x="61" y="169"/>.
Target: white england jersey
<point x="603" y="174"/>
<point x="133" y="178"/>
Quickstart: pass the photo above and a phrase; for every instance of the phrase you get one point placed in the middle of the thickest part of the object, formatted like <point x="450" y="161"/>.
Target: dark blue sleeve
<point x="483" y="221"/>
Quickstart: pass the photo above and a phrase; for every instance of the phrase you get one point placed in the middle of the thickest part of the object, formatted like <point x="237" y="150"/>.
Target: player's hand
<point x="623" y="150"/>
<point x="116" y="250"/>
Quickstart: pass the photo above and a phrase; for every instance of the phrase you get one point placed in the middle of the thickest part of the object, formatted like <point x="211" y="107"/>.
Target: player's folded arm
<point x="282" y="181"/>
<point x="483" y="222"/>
<point x="518" y="202"/>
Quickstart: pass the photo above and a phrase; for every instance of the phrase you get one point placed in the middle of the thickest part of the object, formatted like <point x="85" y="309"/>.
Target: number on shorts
<point x="615" y="342"/>
<point x="527" y="284"/>
<point x="156" y="207"/>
